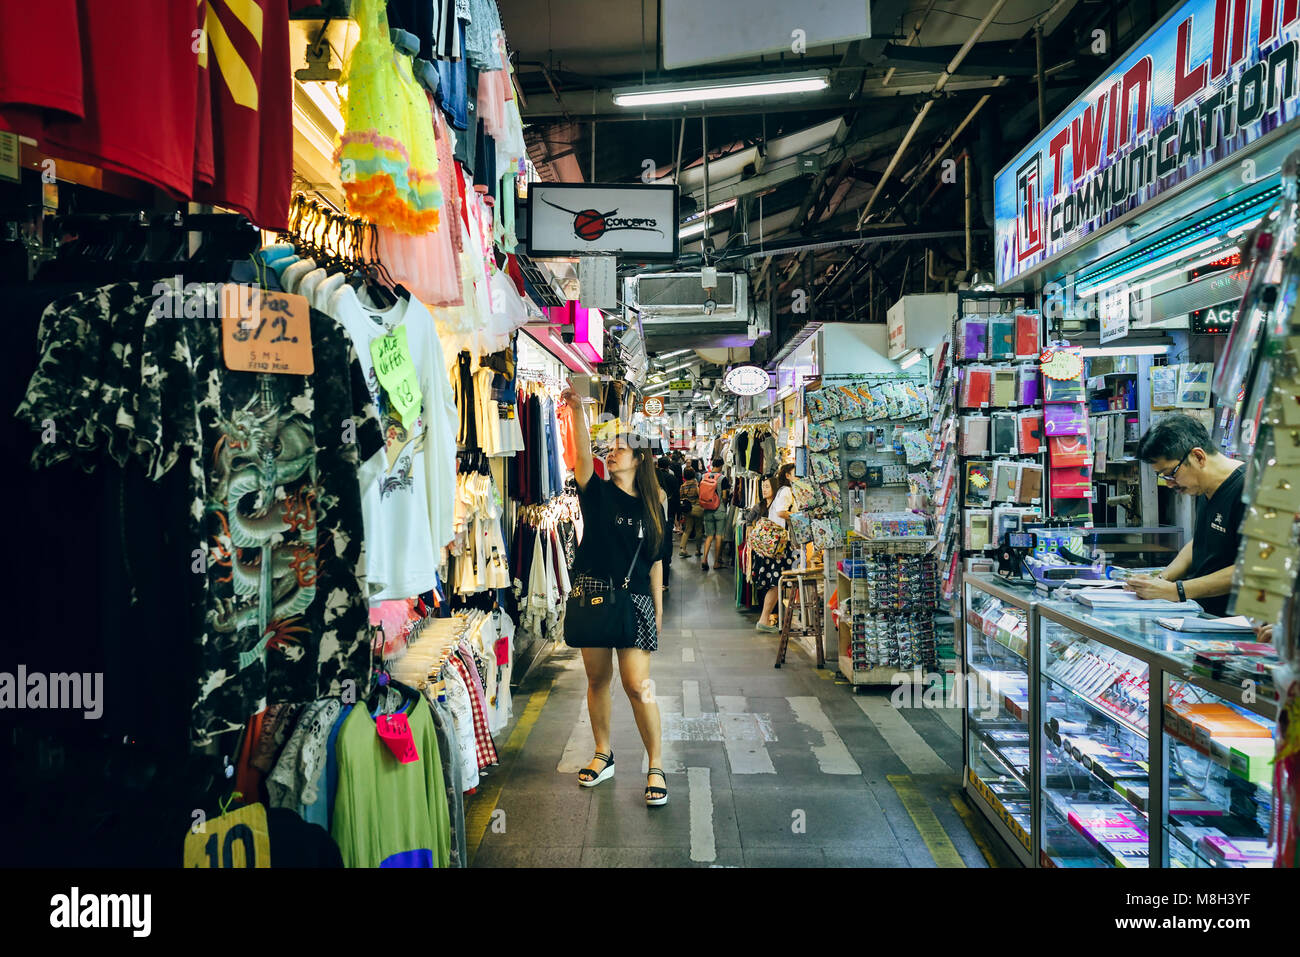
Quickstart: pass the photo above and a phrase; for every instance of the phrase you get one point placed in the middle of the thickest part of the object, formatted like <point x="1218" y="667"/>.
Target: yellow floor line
<point x="968" y="818"/>
<point x="927" y="823"/>
<point x="478" y="812"/>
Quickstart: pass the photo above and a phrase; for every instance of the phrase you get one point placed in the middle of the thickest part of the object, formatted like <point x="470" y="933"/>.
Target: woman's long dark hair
<point x="649" y="491"/>
<point x="781" y="479"/>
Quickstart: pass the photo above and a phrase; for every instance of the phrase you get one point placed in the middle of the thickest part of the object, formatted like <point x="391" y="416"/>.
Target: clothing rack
<point x="529" y="374"/>
<point x="429" y="650"/>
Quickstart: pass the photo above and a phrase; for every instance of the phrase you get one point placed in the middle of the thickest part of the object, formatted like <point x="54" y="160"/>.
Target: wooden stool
<point x="807" y="586"/>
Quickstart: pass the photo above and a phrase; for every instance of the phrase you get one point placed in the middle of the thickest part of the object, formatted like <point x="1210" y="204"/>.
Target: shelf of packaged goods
<point x="1207" y="859"/>
<point x="1217" y="757"/>
<point x="1011" y="360"/>
<point x="1017" y="646"/>
<point x="990" y="687"/>
<point x="1264" y="705"/>
<point x="1186" y="841"/>
<point x="1102" y="852"/>
<point x="1119" y="792"/>
<point x="1097" y="706"/>
<point x="999" y="809"/>
<point x="992" y="748"/>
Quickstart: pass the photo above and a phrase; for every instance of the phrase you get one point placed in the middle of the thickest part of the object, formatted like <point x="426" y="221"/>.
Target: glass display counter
<point x="999" y="714"/>
<point x="1151" y="753"/>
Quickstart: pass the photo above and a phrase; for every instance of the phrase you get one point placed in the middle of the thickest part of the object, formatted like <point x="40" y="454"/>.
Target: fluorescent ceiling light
<point x="669" y="355"/>
<point x="911" y="359"/>
<point x="711" y="90"/>
<point x="1133" y="275"/>
<point x="1124" y="350"/>
<point x="326" y="98"/>
<point x="693" y="229"/>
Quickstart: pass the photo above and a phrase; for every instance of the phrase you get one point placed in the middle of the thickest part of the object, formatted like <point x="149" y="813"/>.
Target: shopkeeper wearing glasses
<point x="1180" y="451"/>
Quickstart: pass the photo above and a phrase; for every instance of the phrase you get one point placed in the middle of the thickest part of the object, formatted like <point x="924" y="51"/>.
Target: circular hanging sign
<point x="747" y="380"/>
<point x="1061" y="365"/>
<point x="653" y="406"/>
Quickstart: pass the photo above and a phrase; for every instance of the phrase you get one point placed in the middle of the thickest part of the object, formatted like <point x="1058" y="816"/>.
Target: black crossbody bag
<point x="601" y="617"/>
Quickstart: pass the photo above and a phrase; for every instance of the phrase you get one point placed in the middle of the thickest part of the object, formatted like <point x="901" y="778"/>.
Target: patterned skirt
<point x="643" y="613"/>
<point x="647" y="631"/>
<point x="765" y="573"/>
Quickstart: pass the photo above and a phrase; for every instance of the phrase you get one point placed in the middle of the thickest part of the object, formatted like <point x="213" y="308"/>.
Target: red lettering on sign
<point x="1187" y="83"/>
<point x="1086" y="130"/>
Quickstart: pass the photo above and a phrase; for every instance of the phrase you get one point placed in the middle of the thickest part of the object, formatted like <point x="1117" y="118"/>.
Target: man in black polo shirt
<point x="1180" y="451"/>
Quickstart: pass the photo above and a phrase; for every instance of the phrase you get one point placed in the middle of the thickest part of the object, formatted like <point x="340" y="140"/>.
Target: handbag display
<point x="596" y="617"/>
<point x="768" y="538"/>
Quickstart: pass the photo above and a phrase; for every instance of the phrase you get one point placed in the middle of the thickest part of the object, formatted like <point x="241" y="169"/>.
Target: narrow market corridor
<point x="766" y="767"/>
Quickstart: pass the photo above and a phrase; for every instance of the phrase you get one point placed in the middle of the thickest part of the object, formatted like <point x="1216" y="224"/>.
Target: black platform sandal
<point x="588" y="778"/>
<point x="654" y="797"/>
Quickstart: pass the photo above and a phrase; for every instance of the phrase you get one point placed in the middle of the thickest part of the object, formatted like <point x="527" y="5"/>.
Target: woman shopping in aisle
<point x="625" y="536"/>
<point x="692" y="513"/>
<point x="778" y="499"/>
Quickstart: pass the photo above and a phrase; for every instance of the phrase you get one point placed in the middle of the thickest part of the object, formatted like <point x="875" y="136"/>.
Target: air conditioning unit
<point x="679" y="297"/>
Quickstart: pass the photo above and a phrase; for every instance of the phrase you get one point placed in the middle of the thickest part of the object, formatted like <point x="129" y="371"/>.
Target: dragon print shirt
<point x="136" y="371"/>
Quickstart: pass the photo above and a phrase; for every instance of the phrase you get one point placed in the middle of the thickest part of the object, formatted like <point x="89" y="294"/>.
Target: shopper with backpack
<point x="715" y="492"/>
<point x="692" y="514"/>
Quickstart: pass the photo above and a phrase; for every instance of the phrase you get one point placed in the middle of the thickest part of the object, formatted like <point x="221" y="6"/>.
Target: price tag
<point x="395" y="731"/>
<point x="396" y="372"/>
<point x="265" y="331"/>
<point x="237" y="839"/>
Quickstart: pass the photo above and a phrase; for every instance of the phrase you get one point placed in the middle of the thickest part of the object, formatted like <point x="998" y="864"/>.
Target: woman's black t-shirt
<point x="613" y="524"/>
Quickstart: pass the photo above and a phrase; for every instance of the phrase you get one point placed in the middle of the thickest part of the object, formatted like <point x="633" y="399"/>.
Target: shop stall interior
<point x="954" y="348"/>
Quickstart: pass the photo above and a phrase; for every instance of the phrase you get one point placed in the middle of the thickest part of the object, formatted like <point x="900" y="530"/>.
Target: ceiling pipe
<point x="925" y="109"/>
<point x="911" y="39"/>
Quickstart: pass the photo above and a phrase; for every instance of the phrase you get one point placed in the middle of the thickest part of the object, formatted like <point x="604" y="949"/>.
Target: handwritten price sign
<point x="265" y="331"/>
<point x="396" y="371"/>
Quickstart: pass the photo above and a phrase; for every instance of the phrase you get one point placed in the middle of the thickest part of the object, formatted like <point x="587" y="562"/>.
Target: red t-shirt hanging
<point x="250" y="88"/>
<point x="41" y="76"/>
<point x="135" y="98"/>
<point x="139" y="87"/>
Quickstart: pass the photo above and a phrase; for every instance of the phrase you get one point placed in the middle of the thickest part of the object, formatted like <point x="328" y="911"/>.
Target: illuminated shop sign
<point x="1212" y="78"/>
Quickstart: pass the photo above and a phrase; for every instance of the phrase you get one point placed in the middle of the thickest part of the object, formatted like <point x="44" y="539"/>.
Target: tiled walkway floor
<point x="766" y="767"/>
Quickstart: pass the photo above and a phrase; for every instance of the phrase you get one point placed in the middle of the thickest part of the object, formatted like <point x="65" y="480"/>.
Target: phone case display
<point x="997" y="644"/>
<point x="999" y="421"/>
<point x="1095" y="710"/>
<point x="1066" y="428"/>
<point x="1261" y="361"/>
<point x="944" y="492"/>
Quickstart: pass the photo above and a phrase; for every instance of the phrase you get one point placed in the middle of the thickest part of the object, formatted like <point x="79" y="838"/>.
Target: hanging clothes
<point x="116" y="374"/>
<point x="388" y="813"/>
<point x="407" y="490"/>
<point x="479" y="548"/>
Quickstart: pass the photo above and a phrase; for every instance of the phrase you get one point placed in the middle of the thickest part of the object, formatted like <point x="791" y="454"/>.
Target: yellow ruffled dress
<point x="387" y="155"/>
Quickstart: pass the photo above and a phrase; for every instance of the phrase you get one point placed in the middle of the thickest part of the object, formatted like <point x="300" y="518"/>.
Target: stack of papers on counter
<point x="1238" y="625"/>
<point x="1115" y="599"/>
